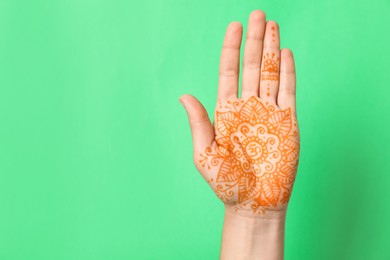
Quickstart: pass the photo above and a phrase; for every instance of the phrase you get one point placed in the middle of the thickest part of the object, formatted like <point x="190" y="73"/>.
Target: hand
<point x="250" y="156"/>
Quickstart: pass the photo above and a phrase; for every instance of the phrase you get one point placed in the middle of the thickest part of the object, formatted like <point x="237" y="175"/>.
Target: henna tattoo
<point x="255" y="156"/>
<point x="273" y="34"/>
<point x="270" y="67"/>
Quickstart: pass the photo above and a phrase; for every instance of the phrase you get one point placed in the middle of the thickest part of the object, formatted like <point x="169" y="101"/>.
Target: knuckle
<point x="194" y="122"/>
<point x="289" y="92"/>
<point x="251" y="63"/>
<point x="229" y="73"/>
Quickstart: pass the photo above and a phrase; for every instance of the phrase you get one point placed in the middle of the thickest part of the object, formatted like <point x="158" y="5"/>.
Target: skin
<point x="249" y="156"/>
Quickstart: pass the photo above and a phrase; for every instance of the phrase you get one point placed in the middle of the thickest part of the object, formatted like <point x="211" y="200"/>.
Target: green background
<point x="95" y="149"/>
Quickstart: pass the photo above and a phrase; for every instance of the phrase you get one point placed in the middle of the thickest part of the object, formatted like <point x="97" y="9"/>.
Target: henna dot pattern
<point x="255" y="156"/>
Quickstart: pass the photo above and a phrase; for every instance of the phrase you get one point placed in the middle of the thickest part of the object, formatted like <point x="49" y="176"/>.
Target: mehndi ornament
<point x="255" y="156"/>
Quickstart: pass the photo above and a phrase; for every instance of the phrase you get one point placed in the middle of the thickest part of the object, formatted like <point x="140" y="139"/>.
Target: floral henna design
<point x="255" y="156"/>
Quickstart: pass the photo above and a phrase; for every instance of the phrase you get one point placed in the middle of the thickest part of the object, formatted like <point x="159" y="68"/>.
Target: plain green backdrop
<point x="95" y="149"/>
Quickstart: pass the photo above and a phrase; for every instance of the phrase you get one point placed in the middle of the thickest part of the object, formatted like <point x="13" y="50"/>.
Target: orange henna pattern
<point x="270" y="68"/>
<point x="255" y="157"/>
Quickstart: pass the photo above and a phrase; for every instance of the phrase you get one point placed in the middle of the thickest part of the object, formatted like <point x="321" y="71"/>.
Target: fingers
<point x="201" y="128"/>
<point x="230" y="62"/>
<point x="269" y="80"/>
<point x="286" y="96"/>
<point x="252" y="54"/>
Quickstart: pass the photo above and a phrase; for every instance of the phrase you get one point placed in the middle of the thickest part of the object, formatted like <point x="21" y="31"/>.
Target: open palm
<point x="250" y="155"/>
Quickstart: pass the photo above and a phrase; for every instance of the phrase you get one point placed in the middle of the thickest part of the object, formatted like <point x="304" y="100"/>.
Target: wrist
<point x="248" y="236"/>
<point x="279" y="214"/>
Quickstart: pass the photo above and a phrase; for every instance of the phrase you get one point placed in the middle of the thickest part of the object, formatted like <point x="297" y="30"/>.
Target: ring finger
<point x="270" y="63"/>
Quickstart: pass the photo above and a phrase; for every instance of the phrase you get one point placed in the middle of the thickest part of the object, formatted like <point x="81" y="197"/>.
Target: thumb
<point x="201" y="128"/>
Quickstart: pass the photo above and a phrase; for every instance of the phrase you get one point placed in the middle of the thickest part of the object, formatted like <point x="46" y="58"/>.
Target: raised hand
<point x="250" y="155"/>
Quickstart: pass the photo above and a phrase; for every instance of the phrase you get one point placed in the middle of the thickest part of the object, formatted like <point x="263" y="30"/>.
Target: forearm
<point x="248" y="237"/>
